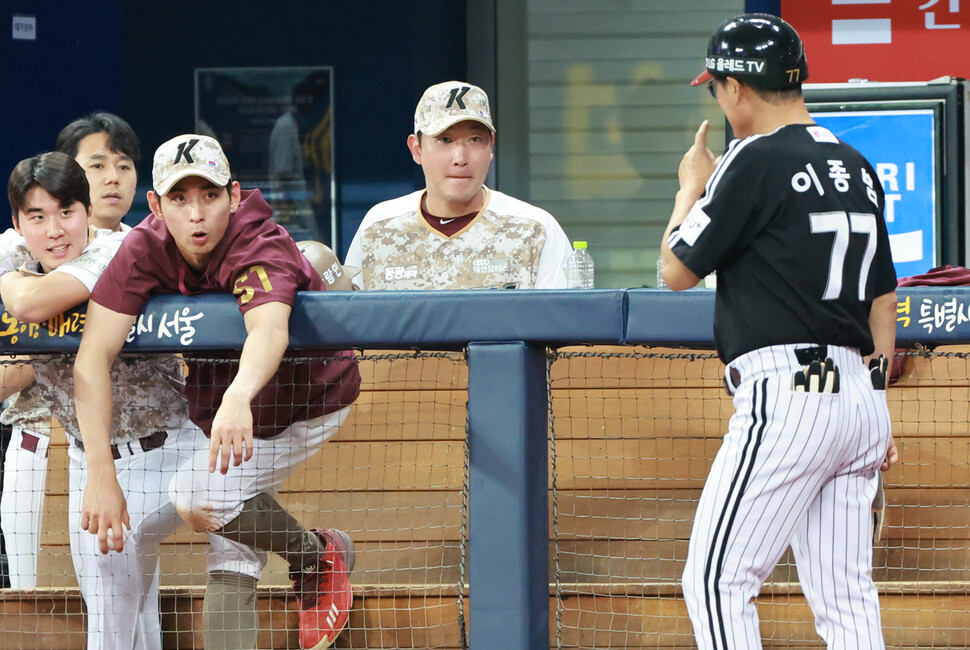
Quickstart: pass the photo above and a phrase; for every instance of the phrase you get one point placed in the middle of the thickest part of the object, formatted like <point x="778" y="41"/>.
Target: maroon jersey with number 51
<point x="258" y="262"/>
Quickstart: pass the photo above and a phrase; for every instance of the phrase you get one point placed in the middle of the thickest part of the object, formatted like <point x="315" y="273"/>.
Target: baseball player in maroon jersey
<point x="791" y="218"/>
<point x="264" y="417"/>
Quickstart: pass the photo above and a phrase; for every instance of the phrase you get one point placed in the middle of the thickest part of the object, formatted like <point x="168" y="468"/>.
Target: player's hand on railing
<point x="232" y="434"/>
<point x="104" y="512"/>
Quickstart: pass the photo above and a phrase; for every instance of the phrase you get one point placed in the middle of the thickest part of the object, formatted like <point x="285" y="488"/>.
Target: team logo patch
<point x="695" y="223"/>
<point x="821" y="134"/>
<point x="496" y="265"/>
<point x="406" y="272"/>
<point x="727" y="65"/>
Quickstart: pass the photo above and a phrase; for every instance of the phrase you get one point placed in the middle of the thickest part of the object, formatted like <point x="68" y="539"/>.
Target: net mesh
<point x="632" y="434"/>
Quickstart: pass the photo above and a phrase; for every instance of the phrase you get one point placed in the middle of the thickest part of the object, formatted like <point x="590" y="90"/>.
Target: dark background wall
<point x="130" y="57"/>
<point x="73" y="67"/>
<point x="384" y="54"/>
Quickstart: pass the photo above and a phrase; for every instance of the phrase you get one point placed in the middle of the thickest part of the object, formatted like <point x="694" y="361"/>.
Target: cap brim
<point x="703" y="77"/>
<point x="213" y="176"/>
<point x="442" y="125"/>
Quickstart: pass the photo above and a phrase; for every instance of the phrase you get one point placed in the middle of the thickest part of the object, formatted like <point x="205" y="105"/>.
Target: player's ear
<point x="414" y="144"/>
<point x="235" y="195"/>
<point x="16" y="222"/>
<point x="154" y="204"/>
<point x="733" y="88"/>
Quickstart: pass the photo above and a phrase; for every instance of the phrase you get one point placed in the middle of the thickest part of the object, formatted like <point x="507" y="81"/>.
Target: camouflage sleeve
<point x="91" y="263"/>
<point x="13" y="251"/>
<point x="551" y="271"/>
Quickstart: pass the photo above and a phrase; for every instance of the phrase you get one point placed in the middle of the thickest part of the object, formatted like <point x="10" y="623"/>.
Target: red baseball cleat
<point x="323" y="590"/>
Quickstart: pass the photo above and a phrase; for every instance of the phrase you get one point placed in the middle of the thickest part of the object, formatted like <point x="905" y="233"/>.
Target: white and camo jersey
<point x="147" y="389"/>
<point x="509" y="244"/>
<point x="27" y="409"/>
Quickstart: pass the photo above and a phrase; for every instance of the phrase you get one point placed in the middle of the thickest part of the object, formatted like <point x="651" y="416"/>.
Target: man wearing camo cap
<point x="457" y="233"/>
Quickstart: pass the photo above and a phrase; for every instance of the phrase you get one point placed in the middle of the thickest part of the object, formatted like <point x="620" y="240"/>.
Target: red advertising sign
<point x="882" y="40"/>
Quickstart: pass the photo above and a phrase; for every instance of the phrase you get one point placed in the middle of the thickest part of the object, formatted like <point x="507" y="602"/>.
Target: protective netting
<point x="633" y="431"/>
<point x="393" y="477"/>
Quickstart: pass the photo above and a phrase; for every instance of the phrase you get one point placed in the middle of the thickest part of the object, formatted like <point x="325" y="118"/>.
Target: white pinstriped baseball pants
<point x="22" y="504"/>
<point x="120" y="590"/>
<point x="794" y="469"/>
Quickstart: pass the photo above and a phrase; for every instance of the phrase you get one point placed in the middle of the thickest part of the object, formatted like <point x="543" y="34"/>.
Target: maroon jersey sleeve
<point x="128" y="281"/>
<point x="268" y="267"/>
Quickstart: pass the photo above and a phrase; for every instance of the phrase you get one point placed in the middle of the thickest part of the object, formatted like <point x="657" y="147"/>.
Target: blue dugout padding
<point x="926" y="315"/>
<point x="506" y="333"/>
<point x="451" y="319"/>
<point x="440" y="320"/>
<point x="508" y="540"/>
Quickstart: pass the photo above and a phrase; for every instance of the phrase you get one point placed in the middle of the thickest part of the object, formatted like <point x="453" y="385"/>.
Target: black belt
<point x="804" y="356"/>
<point x="149" y="442"/>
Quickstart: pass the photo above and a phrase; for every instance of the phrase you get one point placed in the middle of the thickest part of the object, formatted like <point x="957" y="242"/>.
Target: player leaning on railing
<point x="107" y="149"/>
<point x="205" y="235"/>
<point x="62" y="257"/>
<point x="792" y="220"/>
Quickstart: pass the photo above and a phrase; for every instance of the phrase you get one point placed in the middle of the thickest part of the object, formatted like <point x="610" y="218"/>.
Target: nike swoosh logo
<point x="444" y="221"/>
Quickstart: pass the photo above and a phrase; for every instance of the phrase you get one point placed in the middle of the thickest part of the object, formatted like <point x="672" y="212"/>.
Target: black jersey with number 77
<point x="792" y="221"/>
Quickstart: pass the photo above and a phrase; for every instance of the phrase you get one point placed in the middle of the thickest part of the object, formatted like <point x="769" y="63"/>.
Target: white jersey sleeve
<point x="551" y="273"/>
<point x="353" y="257"/>
<point x="93" y="260"/>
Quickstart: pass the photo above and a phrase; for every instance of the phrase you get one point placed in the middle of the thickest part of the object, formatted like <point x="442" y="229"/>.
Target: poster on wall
<point x="276" y="126"/>
<point x="882" y="40"/>
<point x="906" y="166"/>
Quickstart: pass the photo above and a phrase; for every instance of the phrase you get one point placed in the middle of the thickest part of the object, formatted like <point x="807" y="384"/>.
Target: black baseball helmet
<point x="760" y="49"/>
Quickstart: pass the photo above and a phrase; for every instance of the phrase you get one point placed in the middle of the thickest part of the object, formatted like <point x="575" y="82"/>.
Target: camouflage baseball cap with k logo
<point x="448" y="103"/>
<point x="189" y="155"/>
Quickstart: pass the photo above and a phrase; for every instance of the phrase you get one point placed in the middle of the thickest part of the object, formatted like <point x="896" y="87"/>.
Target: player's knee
<point x="193" y="508"/>
<point x="199" y="518"/>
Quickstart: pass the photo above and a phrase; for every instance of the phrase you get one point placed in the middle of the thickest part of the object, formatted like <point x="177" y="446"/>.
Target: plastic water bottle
<point x="579" y="267"/>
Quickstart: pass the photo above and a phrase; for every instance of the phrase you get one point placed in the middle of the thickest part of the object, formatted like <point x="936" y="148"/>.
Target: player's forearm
<point x="882" y="323"/>
<point x="92" y="401"/>
<point x="34" y="299"/>
<point x="260" y="359"/>
<point x="675" y="273"/>
<point x="19" y="295"/>
<point x="267" y="337"/>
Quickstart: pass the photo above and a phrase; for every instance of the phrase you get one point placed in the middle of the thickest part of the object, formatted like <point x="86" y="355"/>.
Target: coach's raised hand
<point x="697" y="165"/>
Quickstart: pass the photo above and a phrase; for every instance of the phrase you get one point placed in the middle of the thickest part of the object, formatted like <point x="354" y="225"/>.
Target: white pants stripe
<point x="22" y="505"/>
<point x="794" y="469"/>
